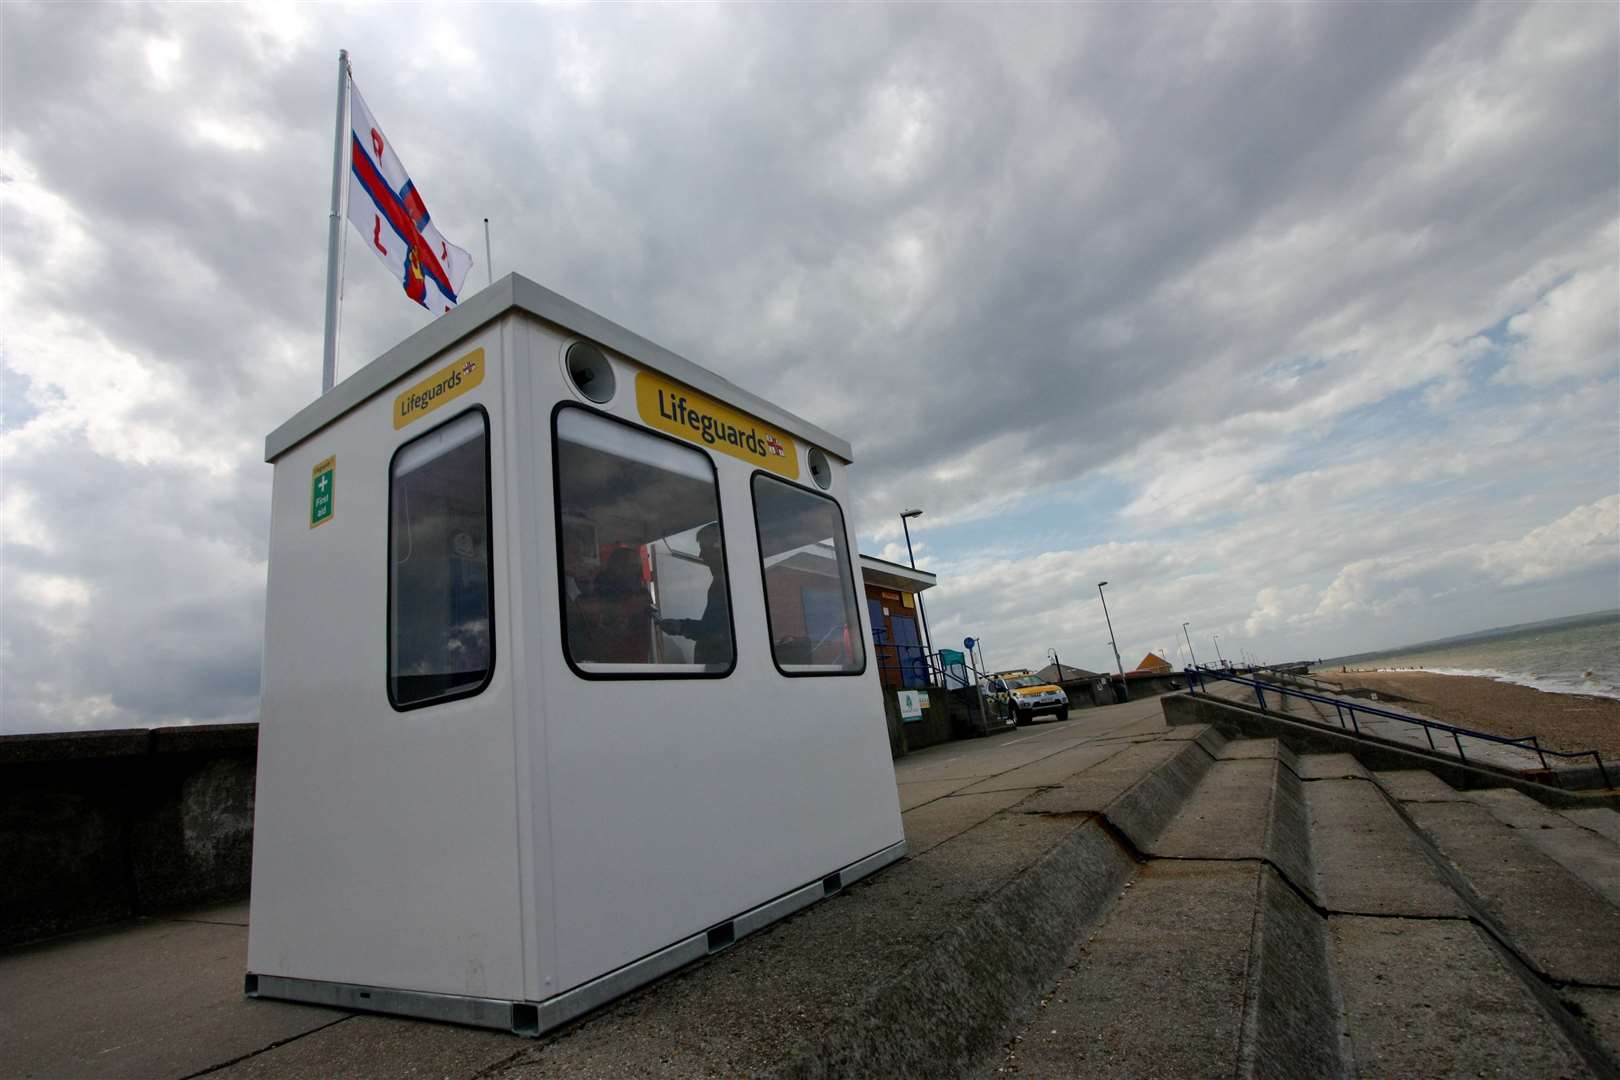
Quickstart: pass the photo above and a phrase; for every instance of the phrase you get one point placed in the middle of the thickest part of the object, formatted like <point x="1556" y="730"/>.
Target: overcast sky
<point x="1298" y="323"/>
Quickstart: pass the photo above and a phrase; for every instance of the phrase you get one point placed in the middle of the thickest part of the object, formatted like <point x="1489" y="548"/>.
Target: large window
<point x="642" y="552"/>
<point x="809" y="587"/>
<point x="441" y="641"/>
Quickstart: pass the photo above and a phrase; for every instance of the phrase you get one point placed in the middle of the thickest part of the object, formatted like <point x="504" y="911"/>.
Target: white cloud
<point x="1572" y="332"/>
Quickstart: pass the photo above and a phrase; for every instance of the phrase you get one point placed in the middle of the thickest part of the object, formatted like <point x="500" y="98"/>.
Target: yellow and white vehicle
<point x="1024" y="696"/>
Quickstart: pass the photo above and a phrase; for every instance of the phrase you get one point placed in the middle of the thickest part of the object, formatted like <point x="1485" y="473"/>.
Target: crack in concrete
<point x="267" y="1049"/>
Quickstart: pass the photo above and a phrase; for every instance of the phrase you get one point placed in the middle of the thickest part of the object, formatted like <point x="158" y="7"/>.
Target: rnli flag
<point x="391" y="216"/>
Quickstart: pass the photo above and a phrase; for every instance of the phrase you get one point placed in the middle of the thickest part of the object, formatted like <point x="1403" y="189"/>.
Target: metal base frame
<point x="533" y="1019"/>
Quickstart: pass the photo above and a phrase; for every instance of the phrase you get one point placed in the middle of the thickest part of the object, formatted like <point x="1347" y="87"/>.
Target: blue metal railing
<point x="1343" y="709"/>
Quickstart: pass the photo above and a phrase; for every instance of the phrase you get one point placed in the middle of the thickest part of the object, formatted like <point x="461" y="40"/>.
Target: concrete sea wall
<point x="103" y="825"/>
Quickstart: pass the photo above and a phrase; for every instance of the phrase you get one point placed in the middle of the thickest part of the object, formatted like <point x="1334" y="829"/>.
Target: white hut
<point x="566" y="682"/>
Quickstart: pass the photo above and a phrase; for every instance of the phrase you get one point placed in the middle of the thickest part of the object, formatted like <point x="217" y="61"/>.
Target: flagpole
<point x="334" y="227"/>
<point x="489" y="260"/>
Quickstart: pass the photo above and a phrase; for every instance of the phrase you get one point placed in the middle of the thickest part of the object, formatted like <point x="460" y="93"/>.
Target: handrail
<point x="1341" y="708"/>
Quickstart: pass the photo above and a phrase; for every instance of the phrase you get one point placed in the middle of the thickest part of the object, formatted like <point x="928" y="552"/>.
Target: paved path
<point x="162" y="998"/>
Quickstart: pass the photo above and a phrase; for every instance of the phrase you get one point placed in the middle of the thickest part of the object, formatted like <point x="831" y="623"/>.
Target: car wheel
<point x="1062" y="715"/>
<point x="1020" y="718"/>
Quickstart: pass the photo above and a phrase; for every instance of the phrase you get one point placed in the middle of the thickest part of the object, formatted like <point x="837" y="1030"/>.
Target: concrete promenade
<point x="163" y="997"/>
<point x="1106" y="896"/>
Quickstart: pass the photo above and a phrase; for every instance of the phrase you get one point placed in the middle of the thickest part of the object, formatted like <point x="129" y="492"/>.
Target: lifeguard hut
<point x="565" y="679"/>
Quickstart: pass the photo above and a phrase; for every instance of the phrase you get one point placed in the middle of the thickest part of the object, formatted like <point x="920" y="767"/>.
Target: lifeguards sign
<point x="687" y="414"/>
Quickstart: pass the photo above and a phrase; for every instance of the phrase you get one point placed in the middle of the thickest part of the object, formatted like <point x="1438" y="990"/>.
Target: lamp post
<point x="1058" y="666"/>
<point x="1189" y="644"/>
<point x="1216" y="638"/>
<point x="1112" y="643"/>
<point x="927" y="638"/>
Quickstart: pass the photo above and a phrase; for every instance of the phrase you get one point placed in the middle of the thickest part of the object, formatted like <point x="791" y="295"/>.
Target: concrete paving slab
<point x="1553" y="918"/>
<point x="931" y="825"/>
<point x="235" y="914"/>
<point x="916" y="794"/>
<point x="1245" y="749"/>
<point x="379" y="1046"/>
<point x="1158" y="990"/>
<point x="1433" y="999"/>
<point x="1050" y="770"/>
<point x="1093" y="790"/>
<point x="1516" y="809"/>
<point x="1331" y="767"/>
<point x="153" y="999"/>
<point x="1604" y="822"/>
<point x="1586" y="855"/>
<point x="1417" y="785"/>
<point x="1227" y="815"/>
<point x="1367" y="859"/>
<point x="1600" y="1012"/>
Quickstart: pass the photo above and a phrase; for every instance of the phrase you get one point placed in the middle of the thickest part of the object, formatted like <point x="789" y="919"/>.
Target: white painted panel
<point x="385" y="847"/>
<point x="677" y="803"/>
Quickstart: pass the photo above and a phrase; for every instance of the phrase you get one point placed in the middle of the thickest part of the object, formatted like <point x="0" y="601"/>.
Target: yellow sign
<point x="679" y="410"/>
<point x="444" y="385"/>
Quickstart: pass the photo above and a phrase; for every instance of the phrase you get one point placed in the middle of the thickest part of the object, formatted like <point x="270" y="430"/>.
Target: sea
<point x="1575" y="655"/>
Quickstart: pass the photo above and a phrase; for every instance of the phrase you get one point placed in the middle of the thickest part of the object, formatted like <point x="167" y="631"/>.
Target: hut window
<point x="810" y="599"/>
<point x="441" y="641"/>
<point x="641" y="552"/>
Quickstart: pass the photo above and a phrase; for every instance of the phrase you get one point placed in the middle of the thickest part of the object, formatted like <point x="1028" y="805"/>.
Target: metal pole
<point x="334" y="227"/>
<point x="928" y="639"/>
<point x="1216" y="638"/>
<point x="489" y="260"/>
<point x="1189" y="645"/>
<point x="1112" y="643"/>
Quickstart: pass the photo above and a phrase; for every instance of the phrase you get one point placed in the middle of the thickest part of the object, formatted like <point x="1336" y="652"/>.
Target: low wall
<point x="102" y="825"/>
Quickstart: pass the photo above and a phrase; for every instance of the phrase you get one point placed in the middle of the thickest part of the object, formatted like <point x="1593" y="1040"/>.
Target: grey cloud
<point x="1076" y="242"/>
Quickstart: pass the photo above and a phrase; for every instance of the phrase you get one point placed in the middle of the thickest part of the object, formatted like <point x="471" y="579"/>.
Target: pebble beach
<point x="1560" y="721"/>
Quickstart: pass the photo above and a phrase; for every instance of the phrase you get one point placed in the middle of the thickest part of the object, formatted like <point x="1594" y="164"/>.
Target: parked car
<point x="1025" y="696"/>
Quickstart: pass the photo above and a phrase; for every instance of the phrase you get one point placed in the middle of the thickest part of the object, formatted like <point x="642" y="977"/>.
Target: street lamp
<point x="928" y="639"/>
<point x="1189" y="645"/>
<point x="1115" y="645"/>
<point x="1057" y="666"/>
<point x="1216" y="638"/>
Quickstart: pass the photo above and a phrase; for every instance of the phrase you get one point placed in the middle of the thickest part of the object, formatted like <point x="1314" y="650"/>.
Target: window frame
<point x="673" y="672"/>
<point x="472" y="690"/>
<point x="855" y="594"/>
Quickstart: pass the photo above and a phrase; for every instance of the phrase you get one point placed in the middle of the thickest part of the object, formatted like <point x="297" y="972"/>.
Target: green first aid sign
<point x="320" y="492"/>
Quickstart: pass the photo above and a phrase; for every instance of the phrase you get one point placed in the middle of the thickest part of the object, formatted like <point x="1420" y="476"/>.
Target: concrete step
<point x="1558" y="923"/>
<point x="1367" y="860"/>
<point x="1201" y="969"/>
<point x="1250" y="805"/>
<point x="1436" y="999"/>
<point x="1586" y="853"/>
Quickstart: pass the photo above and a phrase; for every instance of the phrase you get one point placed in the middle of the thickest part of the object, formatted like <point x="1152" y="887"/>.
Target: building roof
<point x="875" y="571"/>
<point x="1155" y="662"/>
<point x="515" y="292"/>
<point x="1068" y="674"/>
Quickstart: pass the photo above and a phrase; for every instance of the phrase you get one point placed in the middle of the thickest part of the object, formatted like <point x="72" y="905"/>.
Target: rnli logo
<point x="687" y="414"/>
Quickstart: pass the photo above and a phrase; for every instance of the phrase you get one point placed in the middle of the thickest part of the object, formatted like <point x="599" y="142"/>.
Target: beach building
<point x="899" y="650"/>
<point x="1155" y="663"/>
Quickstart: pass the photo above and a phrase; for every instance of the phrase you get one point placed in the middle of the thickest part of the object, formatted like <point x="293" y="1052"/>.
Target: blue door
<point x="913" y="668"/>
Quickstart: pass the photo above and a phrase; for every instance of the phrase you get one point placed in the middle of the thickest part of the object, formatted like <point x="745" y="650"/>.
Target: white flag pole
<point x="489" y="260"/>
<point x="334" y="230"/>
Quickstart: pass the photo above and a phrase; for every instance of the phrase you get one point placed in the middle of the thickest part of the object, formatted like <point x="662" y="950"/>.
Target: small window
<point x="809" y="587"/>
<point x="441" y="641"/>
<point x="643" y="557"/>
